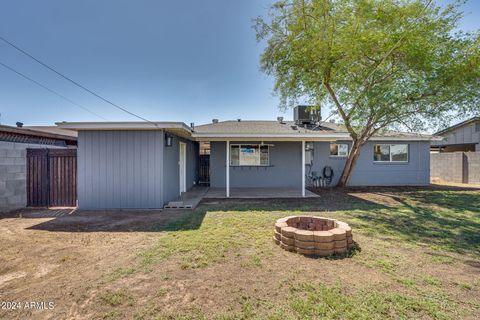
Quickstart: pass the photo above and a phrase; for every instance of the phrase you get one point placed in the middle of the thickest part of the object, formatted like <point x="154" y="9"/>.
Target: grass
<point x="333" y="303"/>
<point x="116" y="298"/>
<point x="442" y="220"/>
<point x="399" y="246"/>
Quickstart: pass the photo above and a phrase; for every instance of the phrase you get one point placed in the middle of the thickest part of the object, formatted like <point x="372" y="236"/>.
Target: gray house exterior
<point x="464" y="136"/>
<point x="130" y="167"/>
<point x="285" y="168"/>
<point x="142" y="165"/>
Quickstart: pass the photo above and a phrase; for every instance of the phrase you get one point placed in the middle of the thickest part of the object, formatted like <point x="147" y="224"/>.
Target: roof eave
<point x="458" y="125"/>
<point x="299" y="137"/>
<point x="31" y="132"/>
<point x="127" y="125"/>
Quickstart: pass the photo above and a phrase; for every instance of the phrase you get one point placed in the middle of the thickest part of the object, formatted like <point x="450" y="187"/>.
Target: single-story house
<point x="148" y="164"/>
<point x="463" y="136"/>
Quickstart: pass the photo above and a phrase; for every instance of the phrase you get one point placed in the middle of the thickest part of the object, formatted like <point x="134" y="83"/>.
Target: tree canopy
<point x="378" y="64"/>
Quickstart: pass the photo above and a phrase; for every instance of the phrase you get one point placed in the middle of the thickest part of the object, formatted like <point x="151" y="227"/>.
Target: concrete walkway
<point x="189" y="199"/>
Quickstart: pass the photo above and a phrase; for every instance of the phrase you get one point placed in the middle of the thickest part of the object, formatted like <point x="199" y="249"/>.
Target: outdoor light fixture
<point x="168" y="140"/>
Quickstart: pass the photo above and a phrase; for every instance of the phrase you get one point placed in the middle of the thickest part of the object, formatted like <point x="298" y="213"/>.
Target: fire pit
<point x="313" y="236"/>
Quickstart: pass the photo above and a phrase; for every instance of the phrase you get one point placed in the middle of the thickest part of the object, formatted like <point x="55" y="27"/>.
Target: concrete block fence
<point x="458" y="167"/>
<point x="13" y="174"/>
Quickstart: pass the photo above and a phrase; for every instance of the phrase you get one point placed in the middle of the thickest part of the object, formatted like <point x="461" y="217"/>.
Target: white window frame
<point x="250" y="165"/>
<point x="339" y="156"/>
<point x="390" y="152"/>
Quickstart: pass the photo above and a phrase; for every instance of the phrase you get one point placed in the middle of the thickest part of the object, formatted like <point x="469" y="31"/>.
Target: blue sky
<point x="185" y="61"/>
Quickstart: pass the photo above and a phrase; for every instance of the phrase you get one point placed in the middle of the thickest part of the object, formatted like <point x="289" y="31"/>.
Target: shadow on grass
<point x="448" y="220"/>
<point x="440" y="218"/>
<point x="181" y="220"/>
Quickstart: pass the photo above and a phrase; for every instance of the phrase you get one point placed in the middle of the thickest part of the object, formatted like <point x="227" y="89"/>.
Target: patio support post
<point x="227" y="165"/>
<point x="303" y="168"/>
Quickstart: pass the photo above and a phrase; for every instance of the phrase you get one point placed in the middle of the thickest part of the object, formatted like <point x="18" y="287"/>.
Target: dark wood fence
<point x="51" y="177"/>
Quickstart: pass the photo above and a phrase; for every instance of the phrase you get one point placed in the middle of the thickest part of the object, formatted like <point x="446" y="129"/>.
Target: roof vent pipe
<point x="19" y="124"/>
<point x="280" y="119"/>
<point x="192" y="126"/>
<point x="238" y="120"/>
<point x="214" y="120"/>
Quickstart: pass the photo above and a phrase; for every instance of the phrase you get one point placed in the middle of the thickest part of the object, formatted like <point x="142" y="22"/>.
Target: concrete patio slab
<point x="189" y="199"/>
<point x="258" y="193"/>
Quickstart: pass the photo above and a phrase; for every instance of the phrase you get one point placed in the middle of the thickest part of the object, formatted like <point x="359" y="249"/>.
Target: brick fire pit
<point x="313" y="236"/>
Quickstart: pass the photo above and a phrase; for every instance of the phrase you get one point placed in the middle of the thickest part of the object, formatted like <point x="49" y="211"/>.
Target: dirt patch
<point x="91" y="264"/>
<point x="61" y="259"/>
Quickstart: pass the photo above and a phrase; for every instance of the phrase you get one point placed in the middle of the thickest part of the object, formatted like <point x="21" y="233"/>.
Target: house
<point x="14" y="142"/>
<point x="456" y="157"/>
<point x="148" y="164"/>
<point x="464" y="136"/>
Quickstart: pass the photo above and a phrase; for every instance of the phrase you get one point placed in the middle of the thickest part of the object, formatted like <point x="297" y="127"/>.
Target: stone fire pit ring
<point x="313" y="236"/>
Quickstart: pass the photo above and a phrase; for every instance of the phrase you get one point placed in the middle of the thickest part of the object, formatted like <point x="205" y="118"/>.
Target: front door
<point x="182" y="163"/>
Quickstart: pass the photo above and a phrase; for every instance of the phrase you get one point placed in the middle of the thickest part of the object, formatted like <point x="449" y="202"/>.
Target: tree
<point x="378" y="64"/>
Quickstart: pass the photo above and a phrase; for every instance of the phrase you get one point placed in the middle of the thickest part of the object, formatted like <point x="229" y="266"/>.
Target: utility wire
<point x="50" y="90"/>
<point x="74" y="82"/>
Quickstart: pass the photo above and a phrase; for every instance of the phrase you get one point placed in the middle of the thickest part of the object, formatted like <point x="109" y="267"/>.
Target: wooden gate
<point x="51" y="177"/>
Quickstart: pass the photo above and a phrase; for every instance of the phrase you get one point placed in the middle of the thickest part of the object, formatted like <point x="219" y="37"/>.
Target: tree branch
<point x="345" y="118"/>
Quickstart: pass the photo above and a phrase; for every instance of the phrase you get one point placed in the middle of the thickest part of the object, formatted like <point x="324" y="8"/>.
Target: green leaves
<point x="388" y="63"/>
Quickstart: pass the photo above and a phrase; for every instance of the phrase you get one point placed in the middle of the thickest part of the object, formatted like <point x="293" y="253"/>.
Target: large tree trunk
<point x="351" y="161"/>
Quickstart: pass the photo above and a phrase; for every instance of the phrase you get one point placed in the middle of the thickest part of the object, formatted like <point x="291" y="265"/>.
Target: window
<point x="249" y="155"/>
<point x="338" y="150"/>
<point x="390" y="153"/>
<point x="477" y="127"/>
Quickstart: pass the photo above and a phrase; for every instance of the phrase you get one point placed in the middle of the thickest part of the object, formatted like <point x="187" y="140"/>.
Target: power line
<point x="50" y="90"/>
<point x="74" y="82"/>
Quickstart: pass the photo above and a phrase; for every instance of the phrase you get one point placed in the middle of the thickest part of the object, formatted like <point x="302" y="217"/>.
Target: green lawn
<point x="417" y="255"/>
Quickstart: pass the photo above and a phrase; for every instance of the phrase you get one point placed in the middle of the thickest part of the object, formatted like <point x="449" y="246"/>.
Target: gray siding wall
<point x="171" y="169"/>
<point x="285" y="158"/>
<point x="322" y="158"/>
<point x="120" y="169"/>
<point x="463" y="135"/>
<point x="285" y="169"/>
<point x="415" y="172"/>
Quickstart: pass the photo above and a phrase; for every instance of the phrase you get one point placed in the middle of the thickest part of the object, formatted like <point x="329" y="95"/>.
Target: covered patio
<point x="259" y="193"/>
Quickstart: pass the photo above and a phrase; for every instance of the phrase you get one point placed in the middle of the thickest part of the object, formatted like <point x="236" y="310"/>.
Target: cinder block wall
<point x="447" y="166"/>
<point x="459" y="167"/>
<point x="13" y="174"/>
<point x="473" y="167"/>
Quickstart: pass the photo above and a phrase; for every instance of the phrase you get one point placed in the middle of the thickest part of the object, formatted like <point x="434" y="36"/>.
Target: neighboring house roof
<point x="27" y="135"/>
<point x="243" y="129"/>
<point x="53" y="130"/>
<point x="458" y="125"/>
